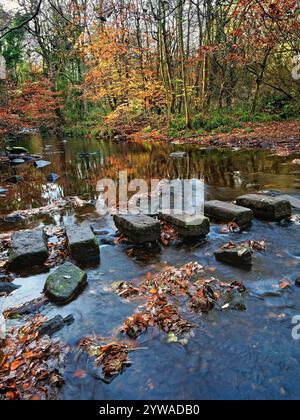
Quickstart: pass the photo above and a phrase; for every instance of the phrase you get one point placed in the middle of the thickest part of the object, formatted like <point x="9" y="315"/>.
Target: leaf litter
<point x="29" y="364"/>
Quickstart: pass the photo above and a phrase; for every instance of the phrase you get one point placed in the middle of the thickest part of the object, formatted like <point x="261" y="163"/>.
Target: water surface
<point x="232" y="354"/>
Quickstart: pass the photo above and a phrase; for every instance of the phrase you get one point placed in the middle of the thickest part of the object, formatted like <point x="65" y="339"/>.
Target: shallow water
<point x="232" y="354"/>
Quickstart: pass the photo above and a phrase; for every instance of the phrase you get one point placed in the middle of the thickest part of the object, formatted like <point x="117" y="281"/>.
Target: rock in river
<point x="7" y="288"/>
<point x="138" y="228"/>
<point x="188" y="226"/>
<point x="228" y="212"/>
<point x="28" y="249"/>
<point x="55" y="324"/>
<point x="240" y="255"/>
<point x="65" y="283"/>
<point x="18" y="150"/>
<point x="17" y="162"/>
<point x="83" y="245"/>
<point x="52" y="177"/>
<point x="265" y="207"/>
<point x="15" y="179"/>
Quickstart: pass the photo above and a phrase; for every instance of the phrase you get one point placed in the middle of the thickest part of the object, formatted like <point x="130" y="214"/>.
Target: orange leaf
<point x="284" y="284"/>
<point x="16" y="364"/>
<point x="79" y="373"/>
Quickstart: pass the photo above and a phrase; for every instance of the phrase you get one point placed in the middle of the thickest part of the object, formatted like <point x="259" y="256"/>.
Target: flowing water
<point x="232" y="354"/>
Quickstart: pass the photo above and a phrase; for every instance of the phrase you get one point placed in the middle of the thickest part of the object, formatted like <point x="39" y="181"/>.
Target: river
<point x="232" y="355"/>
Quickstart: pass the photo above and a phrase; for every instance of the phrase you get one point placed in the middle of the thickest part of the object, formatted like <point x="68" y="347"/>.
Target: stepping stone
<point x="188" y="226"/>
<point x="228" y="212"/>
<point x="83" y="245"/>
<point x="138" y="228"/>
<point x="241" y="255"/>
<point x="295" y="202"/>
<point x="265" y="207"/>
<point x="28" y="249"/>
<point x="3" y="191"/>
<point x="65" y="283"/>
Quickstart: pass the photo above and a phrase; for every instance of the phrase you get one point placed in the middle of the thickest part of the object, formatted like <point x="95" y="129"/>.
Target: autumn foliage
<point x="33" y="105"/>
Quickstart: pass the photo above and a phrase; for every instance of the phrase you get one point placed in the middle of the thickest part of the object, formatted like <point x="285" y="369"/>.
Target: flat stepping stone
<point x="241" y="255"/>
<point x="138" y="228"/>
<point x="265" y="207"/>
<point x="188" y="226"/>
<point x="228" y="212"/>
<point x="83" y="245"/>
<point x="295" y="202"/>
<point x="65" y="283"/>
<point x="28" y="249"/>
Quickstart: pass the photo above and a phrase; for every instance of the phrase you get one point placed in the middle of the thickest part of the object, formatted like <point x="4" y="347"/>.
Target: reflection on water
<point x="81" y="163"/>
<point x="232" y="354"/>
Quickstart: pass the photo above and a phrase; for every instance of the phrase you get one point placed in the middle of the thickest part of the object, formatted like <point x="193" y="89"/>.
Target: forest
<point x="153" y="67"/>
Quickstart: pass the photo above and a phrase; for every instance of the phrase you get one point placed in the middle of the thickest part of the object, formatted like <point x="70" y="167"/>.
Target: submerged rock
<point x="55" y="324"/>
<point x="7" y="288"/>
<point x="52" y="177"/>
<point x="265" y="207"/>
<point x="240" y="255"/>
<point x="228" y="212"/>
<point x="83" y="245"/>
<point x="188" y="226"/>
<point x="235" y="300"/>
<point x="65" y="283"/>
<point x="138" y="228"/>
<point x="28" y="249"/>
<point x="15" y="179"/>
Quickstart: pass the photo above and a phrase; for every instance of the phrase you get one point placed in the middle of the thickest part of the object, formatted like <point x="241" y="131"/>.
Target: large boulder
<point x="228" y="212"/>
<point x="28" y="249"/>
<point x="138" y="228"/>
<point x="188" y="226"/>
<point x="265" y="207"/>
<point x="83" y="245"/>
<point x="65" y="283"/>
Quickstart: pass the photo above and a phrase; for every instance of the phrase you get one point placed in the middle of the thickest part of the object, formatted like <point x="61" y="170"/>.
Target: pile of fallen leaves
<point x="29" y="364"/>
<point x="259" y="246"/>
<point x="170" y="288"/>
<point x="57" y="244"/>
<point x="113" y="357"/>
<point x="168" y="233"/>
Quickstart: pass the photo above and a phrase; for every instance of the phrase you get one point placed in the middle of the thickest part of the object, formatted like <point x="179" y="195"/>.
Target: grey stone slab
<point x="138" y="228"/>
<point x="228" y="212"/>
<point x="265" y="207"/>
<point x="28" y="249"/>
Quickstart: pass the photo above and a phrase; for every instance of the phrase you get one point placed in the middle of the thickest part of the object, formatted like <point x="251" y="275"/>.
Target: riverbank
<point x="282" y="136"/>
